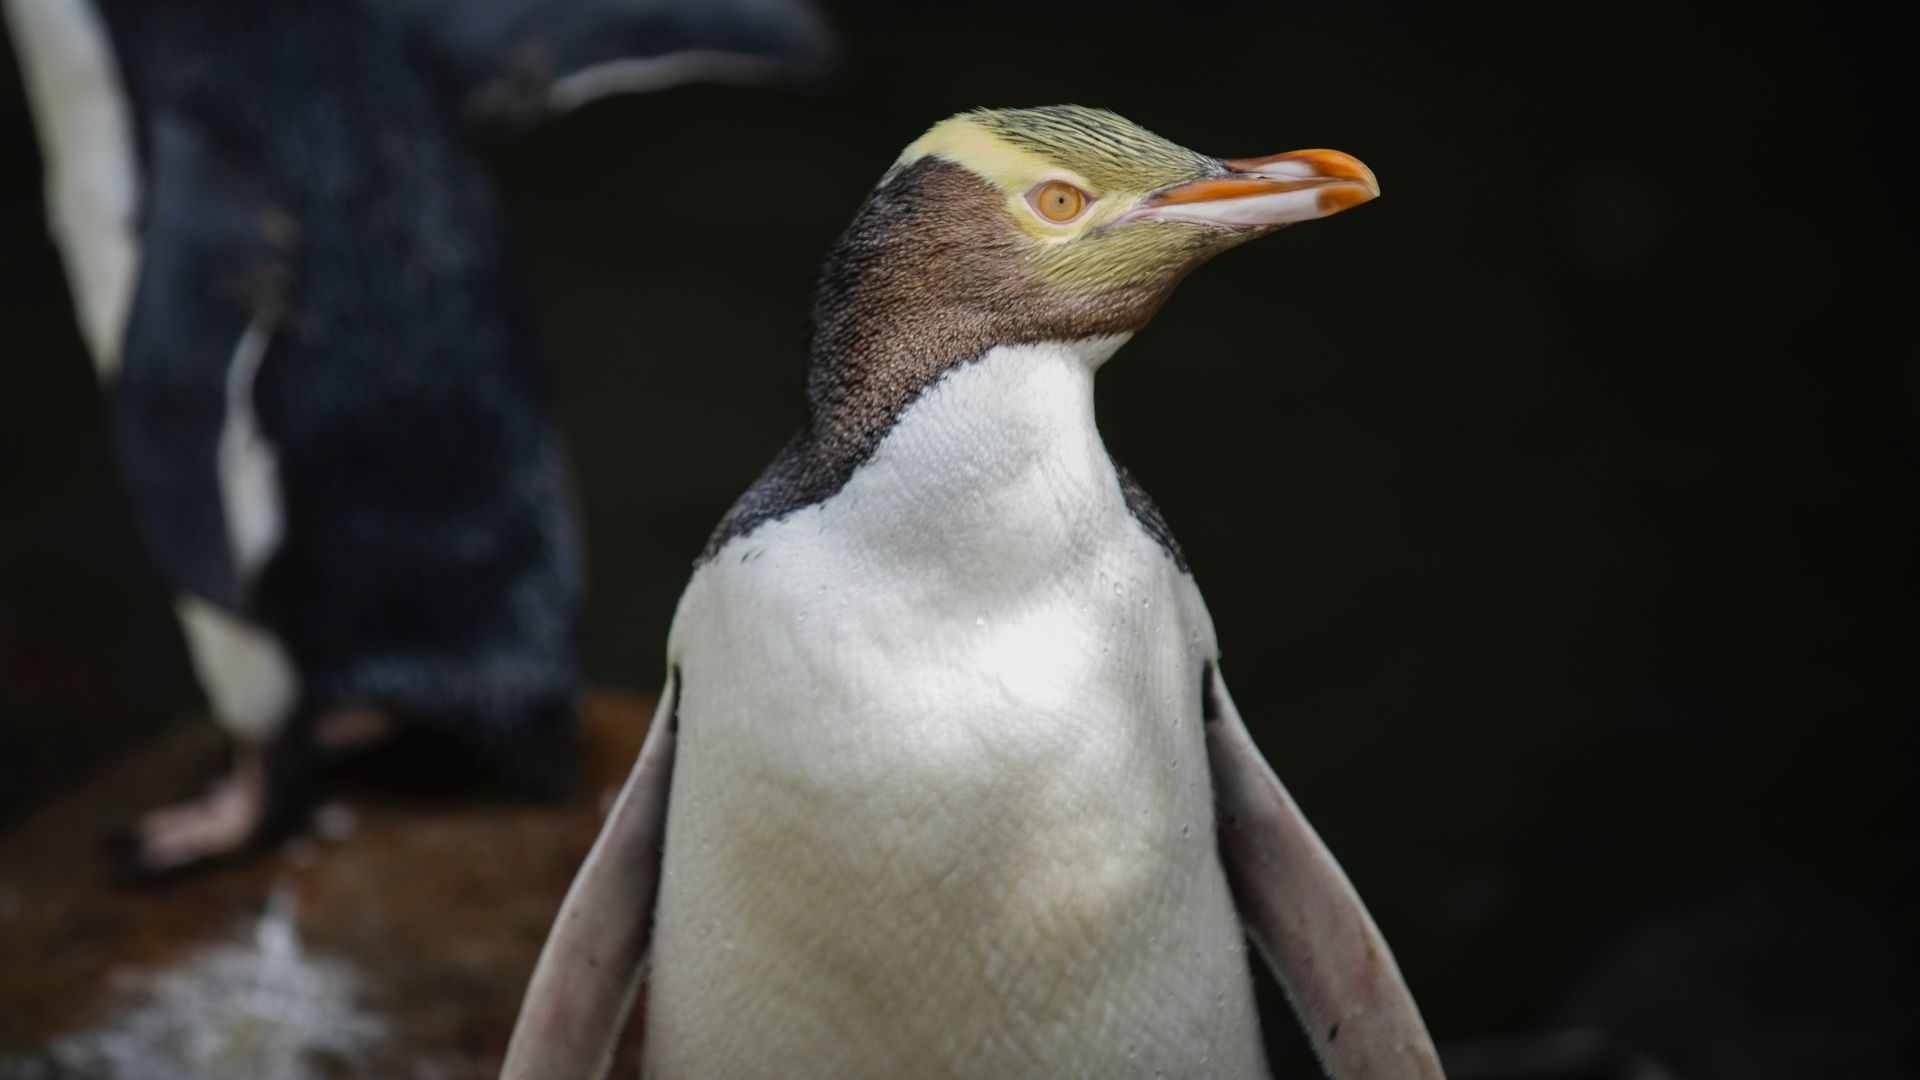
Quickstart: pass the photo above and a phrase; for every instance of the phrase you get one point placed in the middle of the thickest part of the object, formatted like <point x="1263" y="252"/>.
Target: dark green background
<point x="1557" y="511"/>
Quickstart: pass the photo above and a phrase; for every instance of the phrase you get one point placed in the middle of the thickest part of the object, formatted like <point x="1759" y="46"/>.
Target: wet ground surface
<point x="392" y="940"/>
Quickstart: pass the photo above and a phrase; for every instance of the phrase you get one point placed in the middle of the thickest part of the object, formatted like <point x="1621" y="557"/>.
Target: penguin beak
<point x="1267" y="192"/>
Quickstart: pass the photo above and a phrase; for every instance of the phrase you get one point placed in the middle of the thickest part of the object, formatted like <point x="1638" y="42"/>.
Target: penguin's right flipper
<point x="517" y="60"/>
<point x="215" y="279"/>
<point x="1305" y="917"/>
<point x="583" y="986"/>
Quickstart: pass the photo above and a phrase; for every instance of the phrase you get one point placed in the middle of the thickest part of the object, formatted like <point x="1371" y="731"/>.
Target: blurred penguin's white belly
<point x="85" y="128"/>
<point x="948" y="817"/>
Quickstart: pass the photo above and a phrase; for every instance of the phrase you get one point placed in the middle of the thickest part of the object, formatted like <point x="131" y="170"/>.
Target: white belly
<point x="93" y="176"/>
<point x="952" y="819"/>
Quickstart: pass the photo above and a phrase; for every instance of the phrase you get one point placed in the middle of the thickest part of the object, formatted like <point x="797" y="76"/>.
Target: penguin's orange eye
<point x="1058" y="201"/>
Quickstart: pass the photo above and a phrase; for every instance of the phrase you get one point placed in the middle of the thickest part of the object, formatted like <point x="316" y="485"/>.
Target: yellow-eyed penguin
<point x="945" y="750"/>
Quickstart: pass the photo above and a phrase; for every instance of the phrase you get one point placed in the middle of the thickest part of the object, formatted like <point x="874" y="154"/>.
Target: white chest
<point x="940" y="804"/>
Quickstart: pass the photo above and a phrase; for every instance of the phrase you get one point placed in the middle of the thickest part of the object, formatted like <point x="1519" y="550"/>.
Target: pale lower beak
<point x="1267" y="192"/>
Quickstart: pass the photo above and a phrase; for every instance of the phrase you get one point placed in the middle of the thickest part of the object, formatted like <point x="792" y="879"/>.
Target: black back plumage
<point x="301" y="171"/>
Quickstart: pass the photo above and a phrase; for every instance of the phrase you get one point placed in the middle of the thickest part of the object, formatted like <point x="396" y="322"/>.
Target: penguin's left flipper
<point x="515" y="61"/>
<point x="1305" y="917"/>
<point x="583" y="986"/>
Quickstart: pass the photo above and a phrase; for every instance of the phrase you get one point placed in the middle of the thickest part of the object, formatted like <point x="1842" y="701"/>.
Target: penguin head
<point x="1098" y="201"/>
<point x="1002" y="226"/>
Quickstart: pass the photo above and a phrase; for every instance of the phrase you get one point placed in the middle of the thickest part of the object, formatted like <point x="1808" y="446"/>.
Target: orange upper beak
<point x="1268" y="191"/>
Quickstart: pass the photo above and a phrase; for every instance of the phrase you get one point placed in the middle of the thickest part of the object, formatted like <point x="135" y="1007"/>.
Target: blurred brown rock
<point x="393" y="939"/>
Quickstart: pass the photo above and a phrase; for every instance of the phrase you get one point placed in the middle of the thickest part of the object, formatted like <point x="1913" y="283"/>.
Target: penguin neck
<point x="929" y="281"/>
<point x="932" y="275"/>
<point x="999" y="459"/>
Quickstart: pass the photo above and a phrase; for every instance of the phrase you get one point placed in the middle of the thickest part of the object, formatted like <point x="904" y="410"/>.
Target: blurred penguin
<point x="326" y="394"/>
